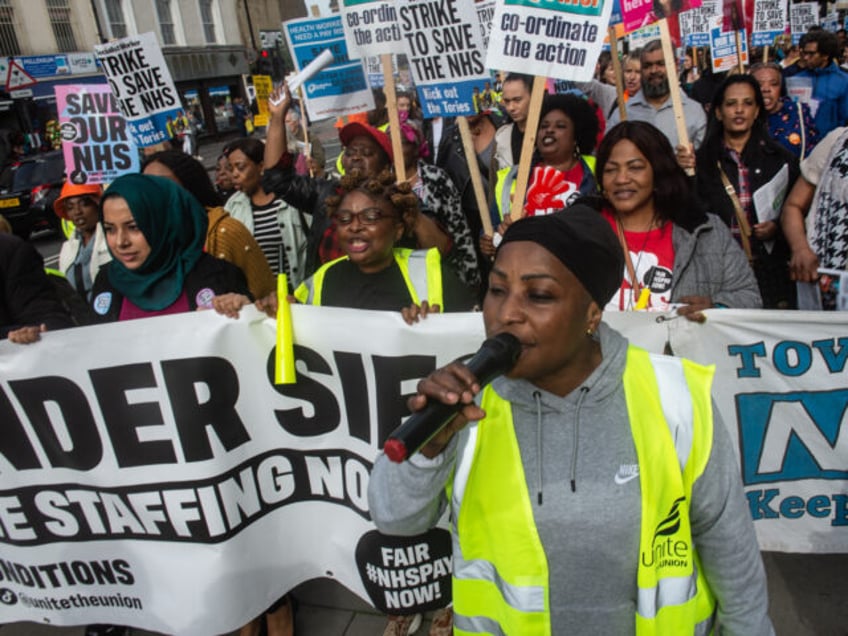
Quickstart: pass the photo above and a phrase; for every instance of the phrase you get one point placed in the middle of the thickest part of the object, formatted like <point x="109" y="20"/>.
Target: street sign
<point x="17" y="77"/>
<point x="20" y="93"/>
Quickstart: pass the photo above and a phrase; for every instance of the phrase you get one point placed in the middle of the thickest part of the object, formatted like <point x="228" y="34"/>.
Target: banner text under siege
<point x="201" y="395"/>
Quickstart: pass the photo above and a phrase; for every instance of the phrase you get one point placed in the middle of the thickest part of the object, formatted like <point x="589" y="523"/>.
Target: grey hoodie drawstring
<point x="584" y="390"/>
<point x="537" y="397"/>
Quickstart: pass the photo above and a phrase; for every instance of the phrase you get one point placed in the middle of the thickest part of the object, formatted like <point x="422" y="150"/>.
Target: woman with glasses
<point x="371" y="216"/>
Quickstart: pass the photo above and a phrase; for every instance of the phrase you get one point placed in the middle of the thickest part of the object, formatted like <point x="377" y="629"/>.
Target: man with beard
<point x="653" y="104"/>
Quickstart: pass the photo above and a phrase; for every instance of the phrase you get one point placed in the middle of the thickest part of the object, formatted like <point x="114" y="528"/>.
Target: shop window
<point x="60" y="19"/>
<point x="8" y="40"/>
<point x="222" y="105"/>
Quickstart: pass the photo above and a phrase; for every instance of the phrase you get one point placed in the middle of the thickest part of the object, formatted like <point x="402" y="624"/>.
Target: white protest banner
<point x="445" y="56"/>
<point x="371" y="26"/>
<point x="802" y="16"/>
<point x="695" y="24"/>
<point x="165" y="482"/>
<point x="95" y="141"/>
<point x="142" y="85"/>
<point x="548" y="39"/>
<point x="338" y="89"/>
<point x="161" y="480"/>
<point x="723" y="46"/>
<point x="485" y="15"/>
<point x="780" y="386"/>
<point x="770" y="20"/>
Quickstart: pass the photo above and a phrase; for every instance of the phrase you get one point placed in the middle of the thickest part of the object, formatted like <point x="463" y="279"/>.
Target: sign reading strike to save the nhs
<point x="551" y="38"/>
<point x="786" y="396"/>
<point x="444" y="45"/>
<point x="141" y="83"/>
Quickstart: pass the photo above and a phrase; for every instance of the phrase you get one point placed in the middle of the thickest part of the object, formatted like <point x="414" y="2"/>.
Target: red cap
<point x="395" y="450"/>
<point x="357" y="129"/>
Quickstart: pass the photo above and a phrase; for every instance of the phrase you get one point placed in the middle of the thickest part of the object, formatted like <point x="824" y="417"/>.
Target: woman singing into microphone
<point x="593" y="489"/>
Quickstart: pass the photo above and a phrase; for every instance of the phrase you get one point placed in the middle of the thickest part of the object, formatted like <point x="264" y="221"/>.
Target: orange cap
<point x="75" y="190"/>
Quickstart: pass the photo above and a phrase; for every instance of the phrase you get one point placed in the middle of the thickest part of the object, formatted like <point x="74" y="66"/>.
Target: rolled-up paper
<point x="311" y="69"/>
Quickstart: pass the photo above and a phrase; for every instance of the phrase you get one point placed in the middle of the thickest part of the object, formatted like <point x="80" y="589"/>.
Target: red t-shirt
<point x="652" y="255"/>
<point x="131" y="311"/>
<point x="550" y="189"/>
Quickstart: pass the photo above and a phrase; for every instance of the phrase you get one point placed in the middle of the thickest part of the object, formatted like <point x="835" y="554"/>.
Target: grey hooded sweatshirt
<point x="585" y="494"/>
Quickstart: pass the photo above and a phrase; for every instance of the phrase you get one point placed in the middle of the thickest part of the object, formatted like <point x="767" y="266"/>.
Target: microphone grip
<point x="410" y="436"/>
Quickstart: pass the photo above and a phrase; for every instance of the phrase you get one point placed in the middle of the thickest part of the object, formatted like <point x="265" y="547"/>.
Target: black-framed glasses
<point x="809" y="53"/>
<point x="368" y="216"/>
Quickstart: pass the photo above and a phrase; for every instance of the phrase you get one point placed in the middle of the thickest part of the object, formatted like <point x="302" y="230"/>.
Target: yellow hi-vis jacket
<point x="421" y="270"/>
<point x="500" y="575"/>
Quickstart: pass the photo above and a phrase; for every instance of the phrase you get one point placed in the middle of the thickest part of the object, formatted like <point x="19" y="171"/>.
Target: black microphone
<point x="496" y="356"/>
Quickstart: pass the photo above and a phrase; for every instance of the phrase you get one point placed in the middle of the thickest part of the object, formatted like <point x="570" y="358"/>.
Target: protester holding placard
<point x="593" y="488"/>
<point x="568" y="129"/>
<point x="819" y="50"/>
<point x="226" y="237"/>
<point x="156" y="231"/>
<point x="85" y="251"/>
<point x="365" y="148"/>
<point x="653" y="104"/>
<point x="439" y="199"/>
<point x="677" y="256"/>
<point x="743" y="176"/>
<point x="790" y="123"/>
<point x="516" y="102"/>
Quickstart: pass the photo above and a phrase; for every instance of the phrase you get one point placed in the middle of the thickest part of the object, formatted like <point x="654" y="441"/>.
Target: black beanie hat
<point x="583" y="240"/>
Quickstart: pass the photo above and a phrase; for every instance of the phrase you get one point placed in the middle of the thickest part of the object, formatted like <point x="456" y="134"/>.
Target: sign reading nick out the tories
<point x="550" y="38"/>
<point x="142" y="85"/>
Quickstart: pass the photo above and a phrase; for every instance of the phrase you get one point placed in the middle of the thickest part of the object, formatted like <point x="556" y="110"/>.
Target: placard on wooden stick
<point x="394" y="120"/>
<point x="674" y="88"/>
<point x="474" y="170"/>
<point x="517" y="208"/>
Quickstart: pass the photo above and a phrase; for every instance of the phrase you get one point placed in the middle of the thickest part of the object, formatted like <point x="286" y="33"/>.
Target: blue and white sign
<point x="142" y="85"/>
<point x="695" y="24"/>
<point x="770" y="20"/>
<point x="802" y="16"/>
<point x="338" y="89"/>
<point x="723" y="46"/>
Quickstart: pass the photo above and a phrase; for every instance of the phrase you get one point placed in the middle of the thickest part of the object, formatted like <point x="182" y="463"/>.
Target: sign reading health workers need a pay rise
<point x="340" y="88"/>
<point x="142" y="85"/>
<point x="444" y="46"/>
<point x="550" y="38"/>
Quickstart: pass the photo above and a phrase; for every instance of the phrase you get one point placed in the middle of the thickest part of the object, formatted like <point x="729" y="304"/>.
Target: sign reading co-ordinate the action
<point x="551" y="39"/>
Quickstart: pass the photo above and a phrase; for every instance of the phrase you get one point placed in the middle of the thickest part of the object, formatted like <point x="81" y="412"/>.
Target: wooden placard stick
<point x="394" y="120"/>
<point x="765" y="54"/>
<point x="307" y="147"/>
<point x="674" y="88"/>
<point x="619" y="76"/>
<point x="739" y="64"/>
<point x="474" y="170"/>
<point x="517" y="208"/>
